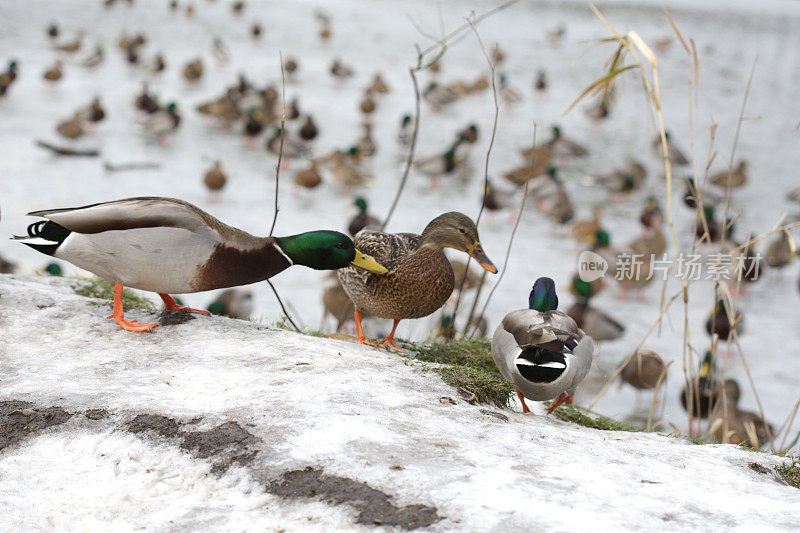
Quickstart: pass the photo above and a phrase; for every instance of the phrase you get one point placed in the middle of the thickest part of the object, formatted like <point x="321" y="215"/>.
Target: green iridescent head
<point x="603" y="238"/>
<point x="325" y="250"/>
<point x="361" y="204"/>
<point x="543" y="296"/>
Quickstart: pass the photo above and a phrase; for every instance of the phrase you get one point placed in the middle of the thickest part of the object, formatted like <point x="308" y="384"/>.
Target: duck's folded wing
<point x="386" y="248"/>
<point x="130" y="213"/>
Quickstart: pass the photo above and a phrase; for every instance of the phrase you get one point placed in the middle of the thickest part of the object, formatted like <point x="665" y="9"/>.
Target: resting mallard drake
<point x="704" y="389"/>
<point x="166" y="245"/>
<point x="643" y="370"/>
<point x="624" y="180"/>
<point x="362" y="219"/>
<point x="420" y="279"/>
<point x="733" y="179"/>
<point x="437" y="165"/>
<point x="541" y="350"/>
<point x="676" y="155"/>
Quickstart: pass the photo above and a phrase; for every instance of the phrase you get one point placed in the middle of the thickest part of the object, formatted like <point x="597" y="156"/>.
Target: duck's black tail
<point x="44" y="236"/>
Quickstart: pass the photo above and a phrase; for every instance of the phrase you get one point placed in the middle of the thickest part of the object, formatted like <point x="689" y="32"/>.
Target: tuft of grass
<point x="569" y="413"/>
<point x="467" y="364"/>
<point x="99" y="288"/>
<point x="694" y="439"/>
<point x="790" y="472"/>
<point x="486" y="386"/>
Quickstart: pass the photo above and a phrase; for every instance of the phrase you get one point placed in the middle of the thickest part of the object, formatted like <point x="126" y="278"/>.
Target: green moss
<point x="98" y="288"/>
<point x="790" y="472"/>
<point x="486" y="386"/>
<point x="473" y="353"/>
<point x="695" y="439"/>
<point x="569" y="413"/>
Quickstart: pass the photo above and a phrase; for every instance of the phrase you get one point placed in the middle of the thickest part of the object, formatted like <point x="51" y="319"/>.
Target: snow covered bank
<point x="218" y="424"/>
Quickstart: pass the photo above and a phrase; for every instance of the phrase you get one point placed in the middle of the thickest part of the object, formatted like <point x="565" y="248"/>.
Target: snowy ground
<point x="218" y="424"/>
<point x="377" y="36"/>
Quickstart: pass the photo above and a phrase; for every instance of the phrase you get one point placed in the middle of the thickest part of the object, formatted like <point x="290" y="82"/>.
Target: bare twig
<point x="283" y="308"/>
<point x="63" y="150"/>
<point x="280" y="152"/>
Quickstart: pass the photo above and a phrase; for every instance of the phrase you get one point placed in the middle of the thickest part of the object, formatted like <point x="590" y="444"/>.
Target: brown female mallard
<point x="420" y="278"/>
<point x="644" y="370"/>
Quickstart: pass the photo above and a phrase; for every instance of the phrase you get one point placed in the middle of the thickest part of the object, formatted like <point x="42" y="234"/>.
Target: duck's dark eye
<point x="340" y="244"/>
<point x="462" y="230"/>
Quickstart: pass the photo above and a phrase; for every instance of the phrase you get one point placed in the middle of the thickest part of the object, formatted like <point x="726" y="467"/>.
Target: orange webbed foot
<point x="562" y="398"/>
<point x="171" y="305"/>
<point x="132" y="325"/>
<point x="389" y="343"/>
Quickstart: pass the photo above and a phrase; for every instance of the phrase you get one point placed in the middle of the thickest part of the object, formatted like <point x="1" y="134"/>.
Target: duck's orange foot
<point x="389" y="343"/>
<point x="132" y="325"/>
<point x="562" y="398"/>
<point x="522" y="401"/>
<point x="171" y="305"/>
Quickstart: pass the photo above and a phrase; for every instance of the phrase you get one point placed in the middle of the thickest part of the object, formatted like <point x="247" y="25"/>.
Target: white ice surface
<point x="376" y="36"/>
<point x="352" y="411"/>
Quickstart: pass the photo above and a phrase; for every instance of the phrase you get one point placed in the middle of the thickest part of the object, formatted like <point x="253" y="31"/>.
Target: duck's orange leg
<point x="522" y="400"/>
<point x="119" y="315"/>
<point x="361" y="338"/>
<point x="171" y="305"/>
<point x="562" y="398"/>
<point x="388" y="342"/>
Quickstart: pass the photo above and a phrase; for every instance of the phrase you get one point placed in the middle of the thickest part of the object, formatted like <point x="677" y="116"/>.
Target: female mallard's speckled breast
<point x="418" y="285"/>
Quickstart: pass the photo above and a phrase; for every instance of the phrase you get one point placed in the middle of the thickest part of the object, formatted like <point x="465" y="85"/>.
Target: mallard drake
<point x="720" y="322"/>
<point x="585" y="231"/>
<point x="8" y="77"/>
<point x="507" y="93"/>
<point x="95" y="58"/>
<point x="495" y="199"/>
<point x="651" y="217"/>
<point x="420" y="279"/>
<point x="54" y="73"/>
<point x="541" y="350"/>
<point x="779" y="252"/>
<point x="644" y="370"/>
<point x="563" y="147"/>
<point x="676" y="155"/>
<point x="735" y="425"/>
<point x="733" y="179"/>
<point x="690" y="194"/>
<point x="254" y="124"/>
<point x="703" y="391"/>
<point x="406" y="130"/>
<point x="95" y="113"/>
<point x="438" y="95"/>
<point x="158" y="64"/>
<point x="363" y="219"/>
<point x="193" y="70"/>
<point x="437" y="165"/>
<point x="163" y="121"/>
<point x="585" y="290"/>
<point x="624" y="180"/>
<point x="309" y="130"/>
<point x="378" y="86"/>
<point x="540" y="84"/>
<point x="292" y="148"/>
<point x="233" y="303"/>
<point x="72" y="128"/>
<point x="339" y="70"/>
<point x="215" y="179"/>
<point x="308" y="178"/>
<point x="631" y="268"/>
<point x="166" y="245"/>
<point x="597" y="324"/>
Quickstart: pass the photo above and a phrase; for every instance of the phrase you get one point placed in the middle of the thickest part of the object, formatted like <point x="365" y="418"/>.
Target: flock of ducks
<point x="169" y="246"/>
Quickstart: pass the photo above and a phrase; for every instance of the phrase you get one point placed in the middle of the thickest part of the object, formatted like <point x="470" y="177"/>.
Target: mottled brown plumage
<point x="419" y="278"/>
<point x="643" y="370"/>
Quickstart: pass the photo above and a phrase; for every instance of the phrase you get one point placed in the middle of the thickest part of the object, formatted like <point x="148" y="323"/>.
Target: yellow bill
<point x="364" y="261"/>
